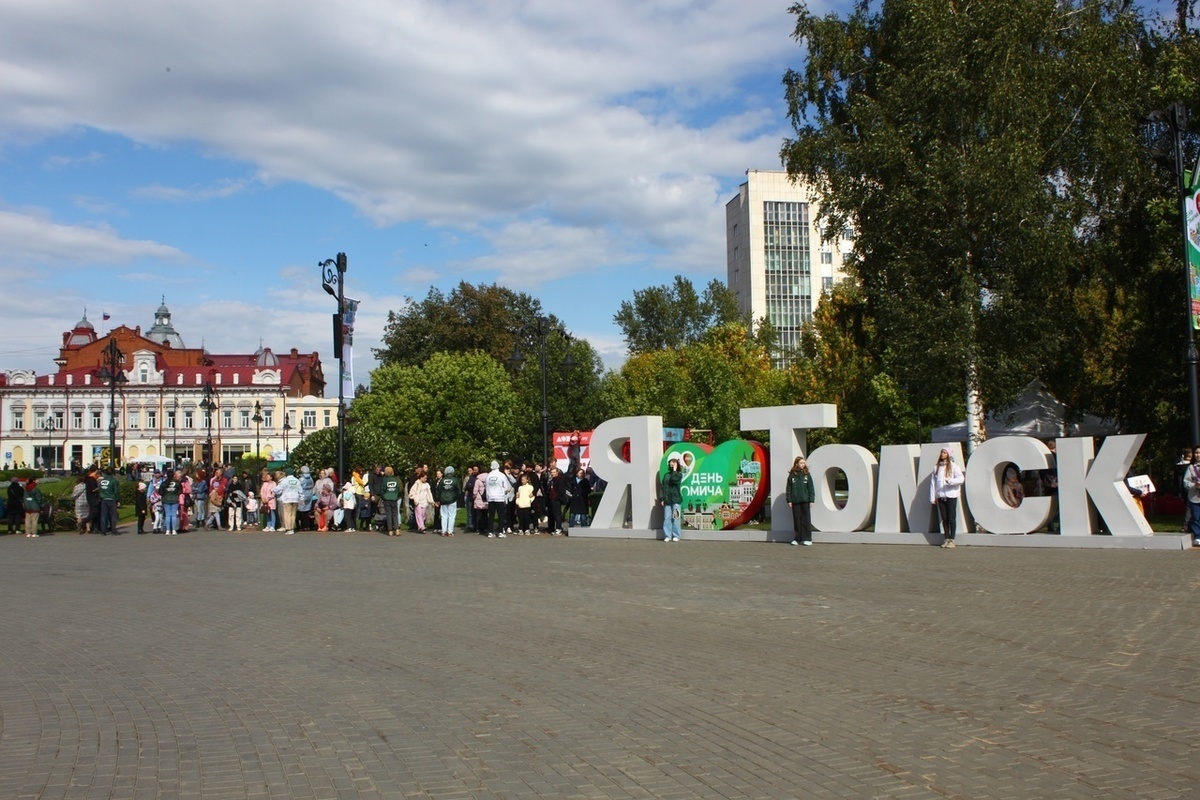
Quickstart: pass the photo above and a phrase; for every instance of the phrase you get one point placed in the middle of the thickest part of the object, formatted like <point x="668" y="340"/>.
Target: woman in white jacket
<point x="944" y="487"/>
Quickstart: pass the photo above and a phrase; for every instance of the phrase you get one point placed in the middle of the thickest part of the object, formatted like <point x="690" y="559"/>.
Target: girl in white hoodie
<point x="943" y="492"/>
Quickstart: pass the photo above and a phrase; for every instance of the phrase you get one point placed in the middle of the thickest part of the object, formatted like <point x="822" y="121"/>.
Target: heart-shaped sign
<point x="723" y="487"/>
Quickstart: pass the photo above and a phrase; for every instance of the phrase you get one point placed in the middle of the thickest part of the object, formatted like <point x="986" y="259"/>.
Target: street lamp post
<point x="208" y="406"/>
<point x="175" y="429"/>
<point x="1175" y="118"/>
<point x="287" y="426"/>
<point x="333" y="281"/>
<point x="113" y="374"/>
<point x="537" y="333"/>
<point x="258" y="418"/>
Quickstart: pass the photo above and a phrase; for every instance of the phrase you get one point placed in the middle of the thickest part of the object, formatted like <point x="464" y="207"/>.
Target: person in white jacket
<point x="498" y="491"/>
<point x="944" y="488"/>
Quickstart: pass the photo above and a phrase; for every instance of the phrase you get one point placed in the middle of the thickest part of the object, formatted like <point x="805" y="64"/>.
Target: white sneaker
<point x="807" y="544"/>
<point x="794" y="543"/>
<point x="493" y="536"/>
<point x="500" y="535"/>
<point x="288" y="532"/>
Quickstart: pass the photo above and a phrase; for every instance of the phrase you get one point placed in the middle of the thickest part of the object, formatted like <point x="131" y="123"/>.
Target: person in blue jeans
<point x="1191" y="483"/>
<point x="672" y="500"/>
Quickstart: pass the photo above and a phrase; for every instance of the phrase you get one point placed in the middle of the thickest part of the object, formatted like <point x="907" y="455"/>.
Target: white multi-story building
<point x="777" y="260"/>
<point x="167" y="401"/>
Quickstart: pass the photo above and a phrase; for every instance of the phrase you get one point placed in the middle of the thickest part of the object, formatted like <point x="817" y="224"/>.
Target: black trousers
<point x="802" y="521"/>
<point x="948" y="515"/>
<point x="497" y="517"/>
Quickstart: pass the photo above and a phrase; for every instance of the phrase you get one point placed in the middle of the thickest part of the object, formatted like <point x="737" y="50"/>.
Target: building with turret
<point x="161" y="399"/>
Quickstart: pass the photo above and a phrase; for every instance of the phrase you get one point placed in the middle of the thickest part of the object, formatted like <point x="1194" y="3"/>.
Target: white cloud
<point x="62" y="162"/>
<point x="27" y="240"/>
<point x="219" y="189"/>
<point x="592" y="119"/>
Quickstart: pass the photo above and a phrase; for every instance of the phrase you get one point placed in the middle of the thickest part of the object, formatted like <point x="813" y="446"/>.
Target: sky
<point x="213" y="153"/>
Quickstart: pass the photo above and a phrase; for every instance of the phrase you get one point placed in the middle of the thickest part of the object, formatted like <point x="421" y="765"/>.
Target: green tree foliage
<point x="675" y="315"/>
<point x="452" y="409"/>
<point x="499" y="322"/>
<point x="704" y="384"/>
<point x="366" y="445"/>
<point x="485" y="318"/>
<point x="837" y="362"/>
<point x="980" y="151"/>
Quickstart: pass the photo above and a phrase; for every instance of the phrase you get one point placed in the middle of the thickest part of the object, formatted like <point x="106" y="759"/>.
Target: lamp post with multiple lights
<point x="536" y="333"/>
<point x="112" y="373"/>
<point x="333" y="281"/>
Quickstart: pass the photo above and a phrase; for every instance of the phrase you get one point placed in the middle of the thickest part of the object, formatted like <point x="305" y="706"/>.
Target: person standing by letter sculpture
<point x="801" y="493"/>
<point x="672" y="500"/>
<point x="944" y="487"/>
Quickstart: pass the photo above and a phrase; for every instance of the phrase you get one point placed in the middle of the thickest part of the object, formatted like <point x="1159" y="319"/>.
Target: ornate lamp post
<point x="1175" y="118"/>
<point x="287" y="426"/>
<point x="536" y="334"/>
<point x="333" y="281"/>
<point x="112" y="373"/>
<point x="208" y="405"/>
<point x="258" y="418"/>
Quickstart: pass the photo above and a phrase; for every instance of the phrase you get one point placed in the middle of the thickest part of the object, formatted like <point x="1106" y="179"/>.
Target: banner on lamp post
<point x="1191" y="216"/>
<point x="349" y="312"/>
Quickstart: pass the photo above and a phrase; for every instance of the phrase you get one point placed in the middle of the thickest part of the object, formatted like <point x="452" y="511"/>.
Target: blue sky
<point x="215" y="152"/>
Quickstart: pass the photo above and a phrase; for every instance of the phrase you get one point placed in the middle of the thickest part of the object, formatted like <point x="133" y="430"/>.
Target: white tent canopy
<point x="152" y="460"/>
<point x="1035" y="413"/>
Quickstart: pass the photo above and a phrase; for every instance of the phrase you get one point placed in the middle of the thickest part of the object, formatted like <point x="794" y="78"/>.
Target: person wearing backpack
<point x="449" y="489"/>
<point x="32" y="502"/>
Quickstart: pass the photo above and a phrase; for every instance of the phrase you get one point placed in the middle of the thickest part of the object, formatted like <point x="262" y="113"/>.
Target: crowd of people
<point x="507" y="499"/>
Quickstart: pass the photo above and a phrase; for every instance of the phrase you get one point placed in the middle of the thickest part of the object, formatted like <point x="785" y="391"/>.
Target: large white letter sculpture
<point x="985" y="477"/>
<point x="788" y="427"/>
<point x="903" y="504"/>
<point x="1101" y="478"/>
<point x="859" y="466"/>
<point x="633" y="481"/>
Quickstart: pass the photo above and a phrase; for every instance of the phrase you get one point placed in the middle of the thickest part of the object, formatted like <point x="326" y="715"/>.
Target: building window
<point x="76" y="420"/>
<point x="171" y="420"/>
<point x="96" y="421"/>
<point x="327" y="415"/>
<point x="39" y="420"/>
<point x="18" y="420"/>
<point x="58" y="420"/>
<point x="151" y="420"/>
<point x="227" y="418"/>
<point x="244" y="417"/>
<point x="232" y="452"/>
<point x="188" y="419"/>
<point x="268" y="416"/>
<point x="144" y="374"/>
<point x="135" y="421"/>
<point x="827" y="257"/>
<point x="310" y="419"/>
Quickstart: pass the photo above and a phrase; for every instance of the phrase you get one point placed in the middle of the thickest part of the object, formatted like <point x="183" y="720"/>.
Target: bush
<point x="23" y="474"/>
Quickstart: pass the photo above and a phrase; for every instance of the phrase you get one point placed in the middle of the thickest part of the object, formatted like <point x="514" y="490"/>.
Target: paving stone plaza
<point x="217" y="665"/>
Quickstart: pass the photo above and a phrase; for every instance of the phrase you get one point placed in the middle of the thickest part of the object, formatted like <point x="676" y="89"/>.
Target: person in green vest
<point x="672" y="500"/>
<point x="449" y="489"/>
<point x="32" y="502"/>
<point x="389" y="493"/>
<point x="800" y="496"/>
<point x="109" y="488"/>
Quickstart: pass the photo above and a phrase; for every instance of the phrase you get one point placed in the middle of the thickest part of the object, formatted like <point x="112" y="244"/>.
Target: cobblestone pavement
<point x="214" y="665"/>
